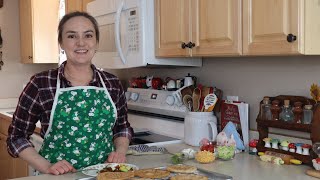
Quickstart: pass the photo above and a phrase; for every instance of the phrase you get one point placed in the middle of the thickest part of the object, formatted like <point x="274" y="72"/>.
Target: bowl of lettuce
<point x="226" y="152"/>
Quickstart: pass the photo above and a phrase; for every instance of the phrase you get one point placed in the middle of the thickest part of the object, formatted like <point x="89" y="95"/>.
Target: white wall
<point x="14" y="74"/>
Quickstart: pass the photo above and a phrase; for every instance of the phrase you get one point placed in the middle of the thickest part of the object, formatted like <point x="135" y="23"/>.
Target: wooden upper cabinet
<point x="280" y="27"/>
<point x="204" y="27"/>
<point x="172" y="26"/>
<point x="76" y="5"/>
<point x="216" y="27"/>
<point x="38" y="31"/>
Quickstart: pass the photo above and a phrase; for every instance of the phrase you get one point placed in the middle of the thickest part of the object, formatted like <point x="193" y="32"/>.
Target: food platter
<point x="94" y="169"/>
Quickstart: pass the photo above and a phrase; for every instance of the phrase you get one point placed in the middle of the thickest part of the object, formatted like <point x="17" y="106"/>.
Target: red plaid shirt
<point x="36" y="100"/>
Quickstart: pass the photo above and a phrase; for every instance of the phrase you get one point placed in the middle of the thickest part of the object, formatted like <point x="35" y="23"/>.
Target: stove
<point x="157" y="116"/>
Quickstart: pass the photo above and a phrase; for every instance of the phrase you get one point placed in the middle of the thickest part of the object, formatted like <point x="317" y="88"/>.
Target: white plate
<point x="94" y="169"/>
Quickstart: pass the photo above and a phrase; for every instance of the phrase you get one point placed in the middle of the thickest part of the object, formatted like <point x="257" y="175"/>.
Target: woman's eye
<point x="71" y="36"/>
<point x="89" y="36"/>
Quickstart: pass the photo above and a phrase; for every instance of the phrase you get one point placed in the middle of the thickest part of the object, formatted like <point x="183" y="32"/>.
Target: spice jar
<point x="297" y="111"/>
<point x="275" y="110"/>
<point x="286" y="114"/>
<point x="266" y="109"/>
<point x="307" y="114"/>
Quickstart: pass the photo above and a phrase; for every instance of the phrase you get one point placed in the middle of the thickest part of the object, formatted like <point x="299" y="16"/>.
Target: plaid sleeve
<point x="122" y="127"/>
<point x="24" y="119"/>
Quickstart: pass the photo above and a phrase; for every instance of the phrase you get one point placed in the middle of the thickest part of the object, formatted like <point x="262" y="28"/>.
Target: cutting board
<point x="313" y="173"/>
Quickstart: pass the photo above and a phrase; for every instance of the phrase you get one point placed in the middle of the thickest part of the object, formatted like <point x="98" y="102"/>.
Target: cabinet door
<point x="26" y="48"/>
<point x="38" y="31"/>
<point x="10" y="167"/>
<point x="172" y="27"/>
<point x="73" y="5"/>
<point x="216" y="27"/>
<point x="267" y="23"/>
<point x="76" y="5"/>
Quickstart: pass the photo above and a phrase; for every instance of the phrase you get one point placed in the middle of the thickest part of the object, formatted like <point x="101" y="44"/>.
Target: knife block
<point x="313" y="128"/>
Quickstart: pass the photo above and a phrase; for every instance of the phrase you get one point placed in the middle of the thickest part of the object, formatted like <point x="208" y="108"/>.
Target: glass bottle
<point x="266" y="109"/>
<point x="286" y="114"/>
<point x="297" y="111"/>
<point x="275" y="110"/>
<point x="307" y="114"/>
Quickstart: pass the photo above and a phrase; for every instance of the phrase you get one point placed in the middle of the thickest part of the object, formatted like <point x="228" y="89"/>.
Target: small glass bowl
<point x="315" y="164"/>
<point x="226" y="152"/>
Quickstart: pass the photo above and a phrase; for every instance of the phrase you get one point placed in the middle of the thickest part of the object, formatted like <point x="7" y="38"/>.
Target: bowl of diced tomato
<point x="316" y="163"/>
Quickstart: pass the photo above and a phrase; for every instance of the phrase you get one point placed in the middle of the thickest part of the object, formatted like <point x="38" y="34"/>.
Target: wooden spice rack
<point x="313" y="128"/>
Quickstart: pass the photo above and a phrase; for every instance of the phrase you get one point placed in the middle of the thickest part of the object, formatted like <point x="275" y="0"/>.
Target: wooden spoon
<point x="187" y="101"/>
<point x="196" y="99"/>
<point x="204" y="92"/>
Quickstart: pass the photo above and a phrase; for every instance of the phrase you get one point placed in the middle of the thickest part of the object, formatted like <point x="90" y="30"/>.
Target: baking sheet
<point x="209" y="174"/>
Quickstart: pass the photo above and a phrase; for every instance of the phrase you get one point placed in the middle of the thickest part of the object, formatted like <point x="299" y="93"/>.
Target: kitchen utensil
<point x="187" y="101"/>
<point x="204" y="92"/>
<point x="87" y="178"/>
<point x="187" y="90"/>
<point x="199" y="125"/>
<point x="196" y="99"/>
<point x="209" y="102"/>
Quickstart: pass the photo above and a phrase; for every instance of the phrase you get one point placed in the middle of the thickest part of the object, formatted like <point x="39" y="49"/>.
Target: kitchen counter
<point x="242" y="167"/>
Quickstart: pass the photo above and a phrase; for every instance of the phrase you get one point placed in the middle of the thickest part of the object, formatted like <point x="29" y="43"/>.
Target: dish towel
<point x="143" y="149"/>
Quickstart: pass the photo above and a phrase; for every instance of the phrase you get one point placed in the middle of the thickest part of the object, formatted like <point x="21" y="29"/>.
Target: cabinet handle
<point x="189" y="45"/>
<point x="30" y="57"/>
<point x="291" y="38"/>
<point x="183" y="45"/>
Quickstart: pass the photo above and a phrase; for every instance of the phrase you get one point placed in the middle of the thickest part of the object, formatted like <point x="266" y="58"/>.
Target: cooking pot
<point x="199" y="125"/>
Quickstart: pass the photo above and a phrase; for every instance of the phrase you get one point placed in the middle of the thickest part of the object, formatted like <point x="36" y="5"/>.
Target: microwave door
<point x="117" y="33"/>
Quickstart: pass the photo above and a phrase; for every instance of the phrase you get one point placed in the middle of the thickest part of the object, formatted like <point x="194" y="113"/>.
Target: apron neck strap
<point x="101" y="80"/>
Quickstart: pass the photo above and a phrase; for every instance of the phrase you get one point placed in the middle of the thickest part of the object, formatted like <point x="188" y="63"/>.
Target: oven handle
<point x="117" y="33"/>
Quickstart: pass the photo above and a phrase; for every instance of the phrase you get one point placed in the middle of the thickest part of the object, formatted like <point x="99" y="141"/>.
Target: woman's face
<point x="79" y="40"/>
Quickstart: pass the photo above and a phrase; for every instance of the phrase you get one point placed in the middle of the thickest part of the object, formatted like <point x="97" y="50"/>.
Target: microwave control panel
<point x="133" y="30"/>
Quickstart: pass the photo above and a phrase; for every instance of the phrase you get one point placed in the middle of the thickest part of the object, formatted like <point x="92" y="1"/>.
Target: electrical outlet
<point x="233" y="98"/>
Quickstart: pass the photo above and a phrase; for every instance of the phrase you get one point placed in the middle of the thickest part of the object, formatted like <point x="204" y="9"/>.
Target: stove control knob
<point x="134" y="96"/>
<point x="170" y="100"/>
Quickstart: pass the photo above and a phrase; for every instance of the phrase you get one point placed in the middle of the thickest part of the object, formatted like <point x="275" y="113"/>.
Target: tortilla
<point x="181" y="168"/>
<point x="151" y="173"/>
<point x="115" y="175"/>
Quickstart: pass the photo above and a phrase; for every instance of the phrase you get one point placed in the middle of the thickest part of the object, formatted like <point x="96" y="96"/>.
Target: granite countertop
<point x="242" y="167"/>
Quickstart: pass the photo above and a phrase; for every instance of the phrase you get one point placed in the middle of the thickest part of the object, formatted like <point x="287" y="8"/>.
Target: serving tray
<point x="211" y="175"/>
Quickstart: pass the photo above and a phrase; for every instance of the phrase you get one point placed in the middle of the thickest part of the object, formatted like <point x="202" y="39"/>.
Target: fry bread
<point x="181" y="168"/>
<point x="115" y="175"/>
<point x="151" y="173"/>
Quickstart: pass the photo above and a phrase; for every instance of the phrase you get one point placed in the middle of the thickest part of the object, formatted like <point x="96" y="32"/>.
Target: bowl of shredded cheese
<point x="204" y="157"/>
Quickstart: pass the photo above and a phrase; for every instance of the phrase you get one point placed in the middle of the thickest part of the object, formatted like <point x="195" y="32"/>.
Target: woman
<point x="82" y="110"/>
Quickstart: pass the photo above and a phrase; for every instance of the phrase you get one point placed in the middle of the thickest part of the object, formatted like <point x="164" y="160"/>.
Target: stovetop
<point x="143" y="136"/>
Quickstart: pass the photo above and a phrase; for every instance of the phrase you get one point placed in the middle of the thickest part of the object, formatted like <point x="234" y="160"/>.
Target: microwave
<point x="127" y="35"/>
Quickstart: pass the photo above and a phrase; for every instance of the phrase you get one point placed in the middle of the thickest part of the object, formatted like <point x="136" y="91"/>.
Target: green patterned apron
<point x="81" y="123"/>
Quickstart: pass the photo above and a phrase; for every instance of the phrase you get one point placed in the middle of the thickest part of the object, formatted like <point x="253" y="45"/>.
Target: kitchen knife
<point x="87" y="178"/>
<point x="214" y="175"/>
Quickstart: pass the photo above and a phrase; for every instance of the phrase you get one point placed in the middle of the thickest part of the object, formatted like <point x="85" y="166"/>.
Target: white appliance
<point x="153" y="111"/>
<point x="127" y="35"/>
